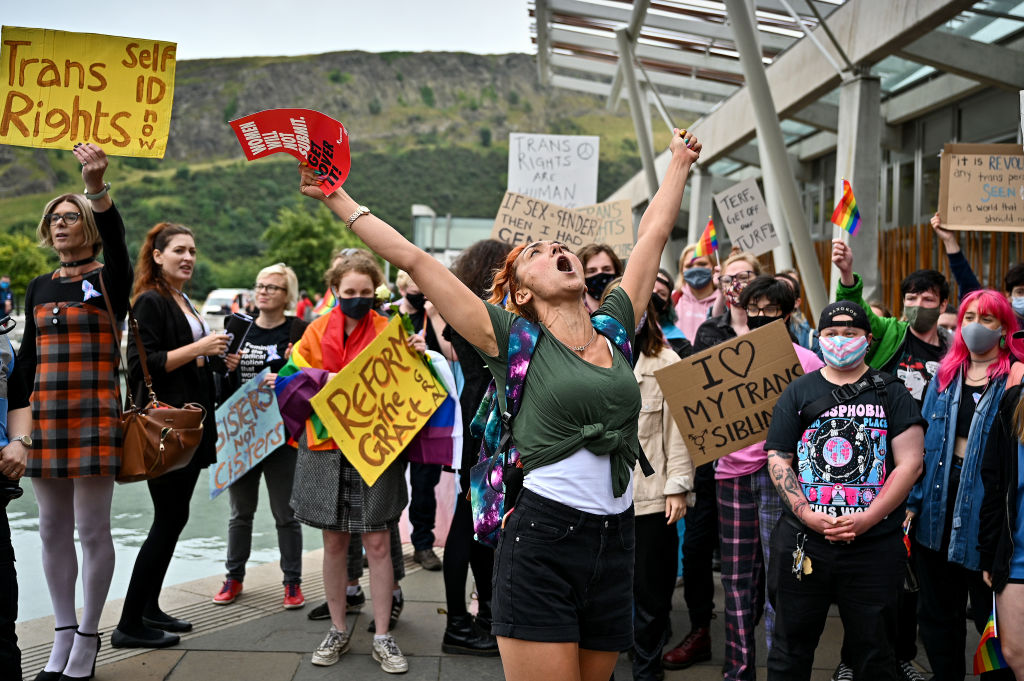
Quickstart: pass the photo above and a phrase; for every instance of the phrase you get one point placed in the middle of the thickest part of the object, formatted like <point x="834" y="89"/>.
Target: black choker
<point x="78" y="263"/>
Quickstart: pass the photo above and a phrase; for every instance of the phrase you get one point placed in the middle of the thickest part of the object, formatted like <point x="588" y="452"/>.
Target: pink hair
<point x="959" y="357"/>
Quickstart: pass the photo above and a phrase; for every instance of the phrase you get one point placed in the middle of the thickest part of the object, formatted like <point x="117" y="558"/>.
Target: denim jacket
<point x="928" y="498"/>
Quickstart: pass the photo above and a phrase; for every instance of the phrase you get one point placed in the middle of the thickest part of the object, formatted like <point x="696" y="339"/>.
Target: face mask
<point x="1018" y="305"/>
<point x="754" y="323"/>
<point x="697" y="277"/>
<point x="979" y="339"/>
<point x="840" y="352"/>
<point x="597" y="283"/>
<point x="417" y="300"/>
<point x="733" y="291"/>
<point x="7" y="284"/>
<point x="922" y="319"/>
<point x="355" y="308"/>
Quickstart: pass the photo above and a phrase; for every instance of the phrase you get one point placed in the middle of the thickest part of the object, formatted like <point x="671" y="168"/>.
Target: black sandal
<point x="55" y="676"/>
<point x="99" y="643"/>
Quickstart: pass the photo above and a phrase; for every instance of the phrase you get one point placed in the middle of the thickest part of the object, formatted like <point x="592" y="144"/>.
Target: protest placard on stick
<point x="61" y="88"/>
<point x="722" y="398"/>
<point x="746" y="217"/>
<point x="981" y="187"/>
<point x="615" y="225"/>
<point x="561" y="169"/>
<point x="379" y="401"/>
<point x="522" y="219"/>
<point x="249" y="428"/>
<point x="307" y="135"/>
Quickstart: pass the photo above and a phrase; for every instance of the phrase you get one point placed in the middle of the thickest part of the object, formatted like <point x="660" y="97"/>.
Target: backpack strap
<point x="613" y="330"/>
<point x="872" y="380"/>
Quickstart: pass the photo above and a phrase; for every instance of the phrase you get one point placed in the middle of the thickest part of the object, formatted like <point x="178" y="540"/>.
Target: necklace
<point x="580" y="348"/>
<point x="78" y="263"/>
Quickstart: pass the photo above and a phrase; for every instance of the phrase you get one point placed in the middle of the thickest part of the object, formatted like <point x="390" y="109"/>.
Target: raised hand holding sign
<point x="310" y="136"/>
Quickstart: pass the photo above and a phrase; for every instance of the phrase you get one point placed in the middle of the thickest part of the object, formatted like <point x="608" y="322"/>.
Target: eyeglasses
<point x="741" y="277"/>
<point x="69" y="218"/>
<point x="766" y="311"/>
<point x="269" y="288"/>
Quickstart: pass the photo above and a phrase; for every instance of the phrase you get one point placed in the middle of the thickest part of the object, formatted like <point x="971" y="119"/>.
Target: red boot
<point x="696" y="647"/>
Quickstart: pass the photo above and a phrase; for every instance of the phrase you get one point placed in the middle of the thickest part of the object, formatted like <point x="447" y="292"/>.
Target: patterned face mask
<point x="840" y="352"/>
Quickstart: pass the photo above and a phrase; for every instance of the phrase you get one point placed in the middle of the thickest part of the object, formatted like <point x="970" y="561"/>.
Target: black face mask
<point x="597" y="283"/>
<point x="754" y="323"/>
<point x="660" y="304"/>
<point x="417" y="300"/>
<point x="355" y="308"/>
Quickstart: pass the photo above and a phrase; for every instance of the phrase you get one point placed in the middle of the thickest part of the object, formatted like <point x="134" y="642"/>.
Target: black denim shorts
<point x="564" y="576"/>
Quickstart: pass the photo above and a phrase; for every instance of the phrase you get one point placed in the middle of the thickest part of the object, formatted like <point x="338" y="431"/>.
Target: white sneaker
<point x="334" y="645"/>
<point x="391" y="659"/>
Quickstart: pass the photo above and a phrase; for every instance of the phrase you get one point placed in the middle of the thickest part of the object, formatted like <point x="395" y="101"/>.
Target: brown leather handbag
<point x="158" y="438"/>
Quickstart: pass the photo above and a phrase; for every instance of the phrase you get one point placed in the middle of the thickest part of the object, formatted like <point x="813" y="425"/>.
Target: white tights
<point x="62" y="503"/>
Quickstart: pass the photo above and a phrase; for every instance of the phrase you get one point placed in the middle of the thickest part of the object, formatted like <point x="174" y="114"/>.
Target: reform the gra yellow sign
<point x="61" y="88"/>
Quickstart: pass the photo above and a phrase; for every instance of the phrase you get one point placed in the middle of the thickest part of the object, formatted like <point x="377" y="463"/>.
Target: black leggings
<point x="171" y="494"/>
<point x="462" y="551"/>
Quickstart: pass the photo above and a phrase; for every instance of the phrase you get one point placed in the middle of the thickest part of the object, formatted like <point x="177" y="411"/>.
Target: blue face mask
<point x="355" y="308"/>
<point x="697" y="277"/>
<point x="1018" y="305"/>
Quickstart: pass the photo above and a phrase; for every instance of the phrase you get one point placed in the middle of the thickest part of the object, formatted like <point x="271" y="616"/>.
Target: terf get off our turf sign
<point x="60" y="88"/>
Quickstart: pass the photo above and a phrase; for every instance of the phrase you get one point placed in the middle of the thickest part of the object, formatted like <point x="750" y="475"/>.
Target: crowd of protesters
<point x="889" y="482"/>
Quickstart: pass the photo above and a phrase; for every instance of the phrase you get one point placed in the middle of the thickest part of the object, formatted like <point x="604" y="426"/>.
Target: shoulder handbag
<point x="158" y="438"/>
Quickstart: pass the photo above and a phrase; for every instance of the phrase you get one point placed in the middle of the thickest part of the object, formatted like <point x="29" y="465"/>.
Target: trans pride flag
<point x="846" y="216"/>
<point x="708" y="241"/>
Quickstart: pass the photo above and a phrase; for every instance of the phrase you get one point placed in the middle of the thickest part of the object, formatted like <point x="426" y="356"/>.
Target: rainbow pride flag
<point x="989" y="655"/>
<point x="846" y="216"/>
<point x="325" y="304"/>
<point x="708" y="241"/>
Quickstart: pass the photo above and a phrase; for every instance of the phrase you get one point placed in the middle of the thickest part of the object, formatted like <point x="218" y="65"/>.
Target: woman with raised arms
<point x="564" y="564"/>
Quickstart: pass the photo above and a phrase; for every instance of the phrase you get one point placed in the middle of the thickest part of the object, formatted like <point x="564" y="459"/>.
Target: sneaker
<point x="334" y="645"/>
<point x="391" y="659"/>
<point x="229" y="592"/>
<point x="397" y="604"/>
<point x="843" y="673"/>
<point x="355" y="602"/>
<point x="428" y="559"/>
<point x="906" y="671"/>
<point x="293" y="597"/>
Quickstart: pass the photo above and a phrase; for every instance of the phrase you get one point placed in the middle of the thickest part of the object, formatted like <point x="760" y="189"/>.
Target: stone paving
<point x="254" y="639"/>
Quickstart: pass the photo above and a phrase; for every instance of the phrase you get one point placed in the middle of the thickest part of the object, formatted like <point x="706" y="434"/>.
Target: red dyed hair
<point x="506" y="283"/>
<point x="959" y="357"/>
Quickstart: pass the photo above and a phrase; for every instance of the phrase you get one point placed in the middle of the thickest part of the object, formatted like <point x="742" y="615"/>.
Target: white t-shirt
<point x="583" y="481"/>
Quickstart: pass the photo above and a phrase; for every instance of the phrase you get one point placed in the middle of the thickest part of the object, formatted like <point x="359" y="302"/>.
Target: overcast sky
<point x="233" y="28"/>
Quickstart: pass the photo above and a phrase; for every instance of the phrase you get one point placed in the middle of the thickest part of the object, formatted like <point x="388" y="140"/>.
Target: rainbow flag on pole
<point x="846" y="216"/>
<point x="708" y="241"/>
<point x="989" y="655"/>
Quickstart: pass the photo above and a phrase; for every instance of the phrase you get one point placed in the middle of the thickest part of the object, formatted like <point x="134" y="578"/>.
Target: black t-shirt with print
<point x="916" y="363"/>
<point x="845" y="456"/>
<point x="267" y="347"/>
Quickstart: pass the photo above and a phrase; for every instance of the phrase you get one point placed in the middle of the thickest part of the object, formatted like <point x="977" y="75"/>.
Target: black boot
<point x="483" y="617"/>
<point x="463" y="637"/>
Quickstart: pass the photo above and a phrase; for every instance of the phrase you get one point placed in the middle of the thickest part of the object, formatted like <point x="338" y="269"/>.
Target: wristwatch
<point x="25" y="440"/>
<point x="360" y="212"/>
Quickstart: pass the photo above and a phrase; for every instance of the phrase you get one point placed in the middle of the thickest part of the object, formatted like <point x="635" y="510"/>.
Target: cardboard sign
<point x="722" y="398"/>
<point x="981" y="187"/>
<point x="522" y="219"/>
<point x="308" y="135"/>
<point x="746" y="218"/>
<point x="615" y="227"/>
<point x="561" y="169"/>
<point x="249" y="428"/>
<point x="379" y="401"/>
<point x="62" y="88"/>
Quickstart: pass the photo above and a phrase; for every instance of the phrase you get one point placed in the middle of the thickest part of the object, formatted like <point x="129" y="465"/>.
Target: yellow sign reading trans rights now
<point x="60" y="88"/>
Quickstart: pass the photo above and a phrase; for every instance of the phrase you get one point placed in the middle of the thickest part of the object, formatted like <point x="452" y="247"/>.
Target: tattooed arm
<point x="780" y="467"/>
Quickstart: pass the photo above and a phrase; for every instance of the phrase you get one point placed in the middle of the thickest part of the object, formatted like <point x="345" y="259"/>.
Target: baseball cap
<point x="844" y="307"/>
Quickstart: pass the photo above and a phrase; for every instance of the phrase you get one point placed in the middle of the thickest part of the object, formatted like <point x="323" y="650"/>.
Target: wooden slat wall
<point x="905" y="249"/>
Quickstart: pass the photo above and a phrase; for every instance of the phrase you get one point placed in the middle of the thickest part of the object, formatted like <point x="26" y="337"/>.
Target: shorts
<point x="564" y="576"/>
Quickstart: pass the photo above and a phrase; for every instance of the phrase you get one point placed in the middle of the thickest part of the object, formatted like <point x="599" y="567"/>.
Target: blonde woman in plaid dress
<point x="68" y="358"/>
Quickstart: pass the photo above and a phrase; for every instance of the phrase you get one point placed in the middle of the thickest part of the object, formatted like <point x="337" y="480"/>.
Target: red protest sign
<point x="307" y="135"/>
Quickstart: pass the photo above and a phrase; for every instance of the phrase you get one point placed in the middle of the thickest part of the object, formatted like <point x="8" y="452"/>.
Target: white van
<point x="218" y="305"/>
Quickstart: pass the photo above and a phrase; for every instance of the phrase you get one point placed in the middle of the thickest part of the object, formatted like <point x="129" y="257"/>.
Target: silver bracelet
<point x="98" y="195"/>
